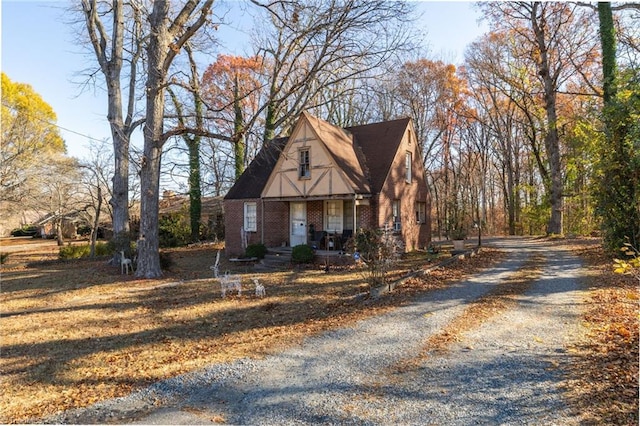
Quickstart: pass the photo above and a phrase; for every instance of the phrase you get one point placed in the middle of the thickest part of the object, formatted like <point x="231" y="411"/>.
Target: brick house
<point x="322" y="183"/>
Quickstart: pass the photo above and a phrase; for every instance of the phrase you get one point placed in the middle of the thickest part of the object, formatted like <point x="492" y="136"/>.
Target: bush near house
<point x="302" y="254"/>
<point x="256" y="250"/>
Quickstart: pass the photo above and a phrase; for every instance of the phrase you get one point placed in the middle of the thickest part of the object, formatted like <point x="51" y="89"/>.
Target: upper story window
<point x="304" y="170"/>
<point x="407" y="165"/>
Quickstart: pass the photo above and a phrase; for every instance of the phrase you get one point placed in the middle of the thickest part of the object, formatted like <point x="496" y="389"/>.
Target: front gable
<point x="318" y="161"/>
<point x="403" y="173"/>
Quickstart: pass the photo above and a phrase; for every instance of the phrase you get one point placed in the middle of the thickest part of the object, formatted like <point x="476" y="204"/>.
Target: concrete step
<point x="274" y="262"/>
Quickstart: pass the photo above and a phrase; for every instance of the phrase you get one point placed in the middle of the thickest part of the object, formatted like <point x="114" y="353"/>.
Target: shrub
<point x="73" y="252"/>
<point x="3" y="258"/>
<point x="80" y="251"/>
<point x="378" y="250"/>
<point x="166" y="261"/>
<point x="173" y="230"/>
<point x="256" y="250"/>
<point x="302" y="254"/>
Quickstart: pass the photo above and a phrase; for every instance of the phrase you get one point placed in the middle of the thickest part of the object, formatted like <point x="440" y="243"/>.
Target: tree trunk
<point x="551" y="139"/>
<point x="59" y="236"/>
<point x="148" y="243"/>
<point x="120" y="199"/>
<point x="195" y="194"/>
<point x="96" y="222"/>
<point x="608" y="43"/>
<point x="238" y="131"/>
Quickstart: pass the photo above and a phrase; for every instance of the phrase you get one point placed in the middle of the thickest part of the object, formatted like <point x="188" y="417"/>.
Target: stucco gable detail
<point x="326" y="176"/>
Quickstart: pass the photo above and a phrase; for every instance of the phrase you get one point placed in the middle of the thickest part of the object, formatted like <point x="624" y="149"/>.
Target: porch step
<point x="275" y="261"/>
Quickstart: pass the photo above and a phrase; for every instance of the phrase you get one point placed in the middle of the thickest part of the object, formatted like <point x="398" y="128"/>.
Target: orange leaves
<point x="606" y="368"/>
<point x="232" y="80"/>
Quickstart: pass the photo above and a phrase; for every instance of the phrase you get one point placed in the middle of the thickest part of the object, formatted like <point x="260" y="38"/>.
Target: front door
<point x="298" y="229"/>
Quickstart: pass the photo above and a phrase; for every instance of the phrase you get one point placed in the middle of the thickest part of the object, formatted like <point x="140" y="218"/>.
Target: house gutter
<point x="262" y="220"/>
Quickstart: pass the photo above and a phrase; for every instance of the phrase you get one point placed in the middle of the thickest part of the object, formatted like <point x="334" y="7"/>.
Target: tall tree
<point x="169" y="32"/>
<point x="318" y="44"/>
<point x="232" y="89"/>
<point x="619" y="190"/>
<point x="192" y="141"/>
<point x="557" y="41"/>
<point x="112" y="25"/>
<point x="96" y="172"/>
<point x="59" y="197"/>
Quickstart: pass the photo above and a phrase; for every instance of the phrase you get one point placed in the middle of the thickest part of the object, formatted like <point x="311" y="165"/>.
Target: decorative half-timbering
<point x="322" y="183"/>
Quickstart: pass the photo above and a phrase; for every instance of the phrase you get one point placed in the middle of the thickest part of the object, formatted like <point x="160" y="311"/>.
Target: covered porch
<point x="325" y="224"/>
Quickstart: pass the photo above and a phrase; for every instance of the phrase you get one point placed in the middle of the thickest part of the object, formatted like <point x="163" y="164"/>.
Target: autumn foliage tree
<point x="231" y="88"/>
<point x="30" y="138"/>
<point x="551" y="44"/>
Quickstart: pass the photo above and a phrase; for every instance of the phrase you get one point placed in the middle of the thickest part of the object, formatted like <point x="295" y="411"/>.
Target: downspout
<point x="262" y="220"/>
<point x="355" y="218"/>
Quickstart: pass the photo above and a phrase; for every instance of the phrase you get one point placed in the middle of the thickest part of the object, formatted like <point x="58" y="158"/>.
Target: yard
<point x="77" y="332"/>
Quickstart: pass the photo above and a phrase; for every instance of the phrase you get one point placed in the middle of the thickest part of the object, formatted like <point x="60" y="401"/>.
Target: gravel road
<point x="506" y="371"/>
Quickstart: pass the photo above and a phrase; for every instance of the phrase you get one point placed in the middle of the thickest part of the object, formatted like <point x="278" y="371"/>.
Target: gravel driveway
<point x="506" y="371"/>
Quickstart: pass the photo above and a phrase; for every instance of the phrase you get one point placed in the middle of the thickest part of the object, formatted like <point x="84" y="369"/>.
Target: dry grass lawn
<point x="77" y="332"/>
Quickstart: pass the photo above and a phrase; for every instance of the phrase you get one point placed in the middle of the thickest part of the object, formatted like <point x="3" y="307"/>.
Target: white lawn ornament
<point x="244" y="237"/>
<point x="125" y="263"/>
<point x="260" y="291"/>
<point x="216" y="268"/>
<point x="229" y="283"/>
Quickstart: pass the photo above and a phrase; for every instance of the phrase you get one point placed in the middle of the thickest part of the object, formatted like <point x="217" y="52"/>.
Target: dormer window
<point x="304" y="170"/>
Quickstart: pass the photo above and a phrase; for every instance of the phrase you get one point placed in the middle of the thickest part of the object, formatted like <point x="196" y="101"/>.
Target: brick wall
<point x="276" y="223"/>
<point x="233" y="221"/>
<point x="414" y="235"/>
<point x="314" y="215"/>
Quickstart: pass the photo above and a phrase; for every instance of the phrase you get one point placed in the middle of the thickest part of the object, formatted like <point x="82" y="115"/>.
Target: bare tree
<point x="59" y="197"/>
<point x="317" y="45"/>
<point x="95" y="180"/>
<point x="115" y="29"/>
<point x="169" y="32"/>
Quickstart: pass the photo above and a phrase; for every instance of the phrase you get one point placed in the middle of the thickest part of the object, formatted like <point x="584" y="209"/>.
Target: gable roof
<point x="251" y="183"/>
<point x="379" y="143"/>
<point x="364" y="154"/>
<point x="343" y="151"/>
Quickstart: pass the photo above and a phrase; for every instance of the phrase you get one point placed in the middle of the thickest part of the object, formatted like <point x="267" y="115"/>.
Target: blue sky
<point x="39" y="48"/>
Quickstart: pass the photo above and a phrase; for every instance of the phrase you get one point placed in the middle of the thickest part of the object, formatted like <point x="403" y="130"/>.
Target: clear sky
<point x="39" y="48"/>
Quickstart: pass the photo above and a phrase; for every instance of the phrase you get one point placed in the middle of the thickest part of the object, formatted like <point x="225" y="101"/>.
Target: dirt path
<point x="507" y="368"/>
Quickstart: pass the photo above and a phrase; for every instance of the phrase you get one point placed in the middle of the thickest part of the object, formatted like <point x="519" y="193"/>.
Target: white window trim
<point x="248" y="226"/>
<point x="339" y="215"/>
<point x="408" y="160"/>
<point x="300" y="174"/>
<point x="396" y="214"/>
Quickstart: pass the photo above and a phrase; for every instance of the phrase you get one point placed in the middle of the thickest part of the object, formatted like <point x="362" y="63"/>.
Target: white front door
<point x="298" y="229"/>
